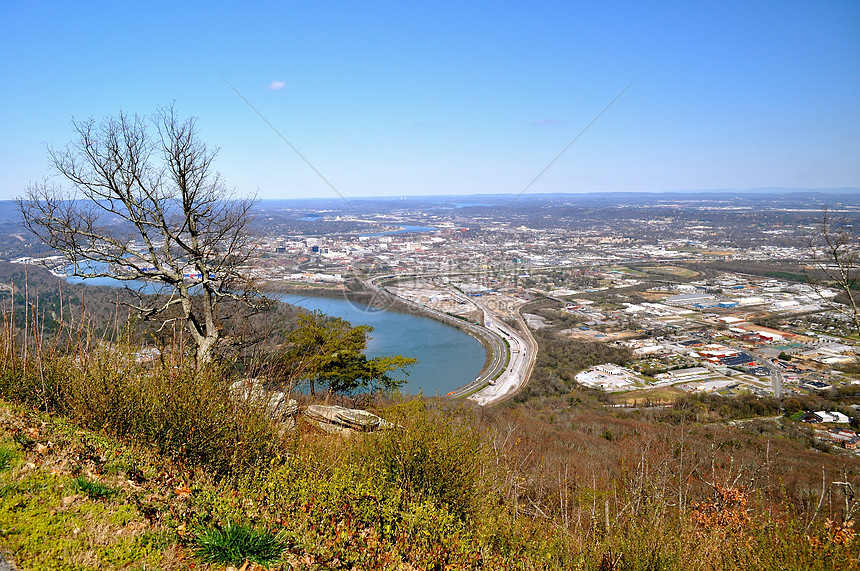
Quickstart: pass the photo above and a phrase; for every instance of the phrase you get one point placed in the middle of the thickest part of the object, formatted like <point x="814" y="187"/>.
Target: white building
<point x="608" y="377"/>
<point x="826" y="416"/>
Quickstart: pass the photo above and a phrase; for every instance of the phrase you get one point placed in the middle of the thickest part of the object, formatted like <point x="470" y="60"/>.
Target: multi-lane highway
<point x="512" y="353"/>
<point x="522" y="350"/>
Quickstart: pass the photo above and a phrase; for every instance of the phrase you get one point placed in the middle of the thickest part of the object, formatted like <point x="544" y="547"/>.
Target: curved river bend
<point x="447" y="357"/>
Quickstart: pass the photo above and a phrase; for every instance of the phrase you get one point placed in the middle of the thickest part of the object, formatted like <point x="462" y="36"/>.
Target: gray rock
<point x="5" y="565"/>
<point x="341" y="419"/>
<point x="275" y="402"/>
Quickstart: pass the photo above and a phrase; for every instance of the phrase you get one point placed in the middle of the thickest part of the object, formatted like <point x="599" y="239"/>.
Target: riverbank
<point x="352" y="290"/>
<point x="357" y="291"/>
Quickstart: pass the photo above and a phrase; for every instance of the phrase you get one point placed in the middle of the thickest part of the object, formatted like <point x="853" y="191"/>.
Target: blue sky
<point x="453" y="97"/>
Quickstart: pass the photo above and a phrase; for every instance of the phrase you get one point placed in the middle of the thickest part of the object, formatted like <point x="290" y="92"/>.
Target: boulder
<point x="343" y="420"/>
<point x="275" y="402"/>
<point x="6" y="565"/>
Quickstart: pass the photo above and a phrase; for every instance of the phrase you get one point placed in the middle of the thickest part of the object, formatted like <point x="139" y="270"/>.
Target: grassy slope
<point x="137" y="461"/>
<point x="48" y="520"/>
<point x="334" y="502"/>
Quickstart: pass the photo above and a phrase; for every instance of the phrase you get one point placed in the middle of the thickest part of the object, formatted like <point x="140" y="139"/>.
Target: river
<point x="447" y="357"/>
<point x="403" y="230"/>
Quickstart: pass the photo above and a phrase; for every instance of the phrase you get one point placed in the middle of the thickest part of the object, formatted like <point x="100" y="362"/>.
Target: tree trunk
<point x="205" y="350"/>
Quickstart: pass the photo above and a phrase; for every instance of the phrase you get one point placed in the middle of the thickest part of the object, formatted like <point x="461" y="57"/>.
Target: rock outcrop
<point x="275" y="402"/>
<point x="344" y="420"/>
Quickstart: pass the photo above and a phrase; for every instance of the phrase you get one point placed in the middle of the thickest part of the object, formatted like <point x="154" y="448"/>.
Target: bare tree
<point x="146" y="204"/>
<point x="835" y="251"/>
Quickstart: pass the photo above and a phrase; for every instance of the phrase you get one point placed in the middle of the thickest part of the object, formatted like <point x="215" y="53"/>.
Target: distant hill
<point x="783" y="197"/>
<point x="9" y="211"/>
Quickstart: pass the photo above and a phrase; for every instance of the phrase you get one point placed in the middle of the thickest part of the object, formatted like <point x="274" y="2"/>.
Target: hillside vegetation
<point x="107" y="462"/>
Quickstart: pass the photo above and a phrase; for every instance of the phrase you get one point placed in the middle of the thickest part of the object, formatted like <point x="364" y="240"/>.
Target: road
<point x="512" y="353"/>
<point x="775" y="375"/>
<point x="492" y="340"/>
<point x="523" y="351"/>
<point x="776" y="379"/>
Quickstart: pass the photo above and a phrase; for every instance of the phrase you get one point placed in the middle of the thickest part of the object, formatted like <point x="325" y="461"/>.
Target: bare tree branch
<point x="146" y="204"/>
<point x="835" y="252"/>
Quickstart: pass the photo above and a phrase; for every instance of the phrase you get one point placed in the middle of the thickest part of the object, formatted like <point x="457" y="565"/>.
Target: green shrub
<point x="8" y="454"/>
<point x="95" y="490"/>
<point x="430" y="457"/>
<point x="235" y="544"/>
<point x="412" y="496"/>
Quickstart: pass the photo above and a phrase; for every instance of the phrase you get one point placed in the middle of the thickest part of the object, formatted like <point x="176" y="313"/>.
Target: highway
<point x="498" y="349"/>
<point x="523" y="351"/>
<point x="512" y="353"/>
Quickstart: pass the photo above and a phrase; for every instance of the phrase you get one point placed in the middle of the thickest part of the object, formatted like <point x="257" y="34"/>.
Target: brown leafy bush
<point x="189" y="414"/>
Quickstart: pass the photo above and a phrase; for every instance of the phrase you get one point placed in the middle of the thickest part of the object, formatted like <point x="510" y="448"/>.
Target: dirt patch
<point x="599" y="336"/>
<point x="671" y="271"/>
<point x="661" y="395"/>
<point x="654" y="295"/>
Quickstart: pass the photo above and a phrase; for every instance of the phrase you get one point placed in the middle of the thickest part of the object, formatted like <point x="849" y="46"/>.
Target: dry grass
<point x="671" y="271"/>
<point x="660" y="395"/>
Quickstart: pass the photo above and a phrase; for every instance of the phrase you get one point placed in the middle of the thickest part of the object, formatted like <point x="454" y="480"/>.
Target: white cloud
<point x="277" y="85"/>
